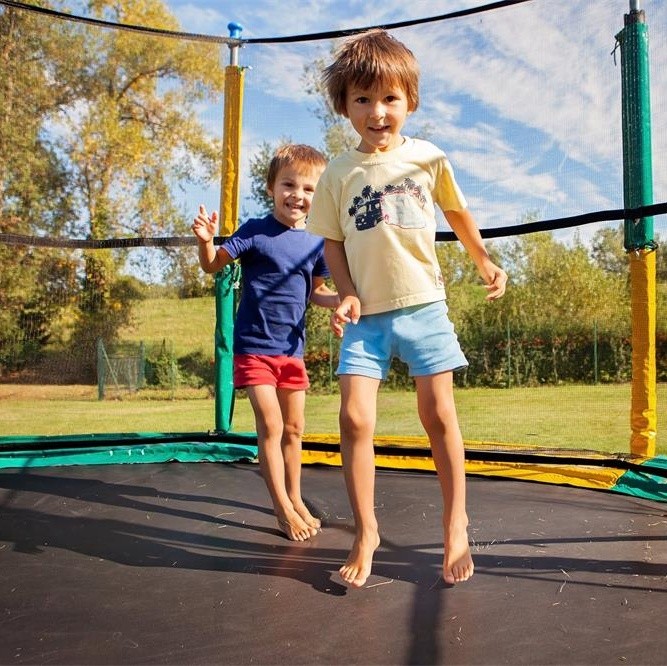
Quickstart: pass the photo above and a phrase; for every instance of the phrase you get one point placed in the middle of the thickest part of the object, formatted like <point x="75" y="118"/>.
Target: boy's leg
<point x="292" y="406"/>
<point x="437" y="412"/>
<point x="357" y="425"/>
<point x="269" y="425"/>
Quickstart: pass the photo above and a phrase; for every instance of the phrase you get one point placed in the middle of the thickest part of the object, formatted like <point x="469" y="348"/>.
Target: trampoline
<point x="182" y="562"/>
<point x="176" y="563"/>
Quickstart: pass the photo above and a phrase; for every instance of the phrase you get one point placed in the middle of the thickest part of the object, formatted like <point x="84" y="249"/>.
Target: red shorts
<point x="285" y="372"/>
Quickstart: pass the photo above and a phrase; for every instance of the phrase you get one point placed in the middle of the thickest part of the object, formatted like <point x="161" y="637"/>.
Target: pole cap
<point x="234" y="30"/>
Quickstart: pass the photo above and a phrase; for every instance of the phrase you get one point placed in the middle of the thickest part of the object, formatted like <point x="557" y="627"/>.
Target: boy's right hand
<point x="347" y="312"/>
<point x="205" y="227"/>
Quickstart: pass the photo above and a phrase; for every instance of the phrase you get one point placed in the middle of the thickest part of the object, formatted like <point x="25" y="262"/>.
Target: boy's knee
<point x="354" y="423"/>
<point x="438" y="421"/>
<point x="293" y="429"/>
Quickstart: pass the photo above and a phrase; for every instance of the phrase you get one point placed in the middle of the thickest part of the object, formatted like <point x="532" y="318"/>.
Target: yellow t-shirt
<point x="382" y="207"/>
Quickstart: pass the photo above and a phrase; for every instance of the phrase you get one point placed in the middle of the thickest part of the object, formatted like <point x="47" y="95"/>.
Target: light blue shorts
<point x="421" y="336"/>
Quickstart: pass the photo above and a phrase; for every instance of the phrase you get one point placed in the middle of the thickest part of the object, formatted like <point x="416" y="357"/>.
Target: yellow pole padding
<point x="643" y="416"/>
<point x="231" y="150"/>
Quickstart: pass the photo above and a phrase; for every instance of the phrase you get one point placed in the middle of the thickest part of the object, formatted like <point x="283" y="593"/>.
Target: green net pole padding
<point x="637" y="159"/>
<point x="638" y="234"/>
<point x="224" y="355"/>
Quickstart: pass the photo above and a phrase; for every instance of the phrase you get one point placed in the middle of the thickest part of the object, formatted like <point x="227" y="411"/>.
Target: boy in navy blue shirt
<point x="282" y="268"/>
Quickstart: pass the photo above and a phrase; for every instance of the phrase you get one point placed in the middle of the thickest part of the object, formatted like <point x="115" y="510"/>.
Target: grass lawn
<point x="584" y="417"/>
<point x="186" y="325"/>
<point x="581" y="417"/>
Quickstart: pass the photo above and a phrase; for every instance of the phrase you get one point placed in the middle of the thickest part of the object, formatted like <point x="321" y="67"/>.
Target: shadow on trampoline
<point x="191" y="552"/>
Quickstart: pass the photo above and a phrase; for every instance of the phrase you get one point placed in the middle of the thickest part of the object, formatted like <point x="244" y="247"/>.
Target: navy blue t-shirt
<point x="277" y="268"/>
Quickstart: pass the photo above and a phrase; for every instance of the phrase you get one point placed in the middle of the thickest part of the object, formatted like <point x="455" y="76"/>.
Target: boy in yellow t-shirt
<point x="375" y="207"/>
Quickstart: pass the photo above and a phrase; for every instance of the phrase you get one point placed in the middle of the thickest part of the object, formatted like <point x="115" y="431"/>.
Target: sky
<point x="525" y="100"/>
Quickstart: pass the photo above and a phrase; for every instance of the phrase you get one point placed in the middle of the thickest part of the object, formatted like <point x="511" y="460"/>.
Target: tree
<point x="337" y="133"/>
<point x="608" y="251"/>
<point x="36" y="82"/>
<point x="98" y="131"/>
<point x="132" y="136"/>
<point x="259" y="170"/>
<point x="36" y="196"/>
<point x="135" y="133"/>
<point x="558" y="296"/>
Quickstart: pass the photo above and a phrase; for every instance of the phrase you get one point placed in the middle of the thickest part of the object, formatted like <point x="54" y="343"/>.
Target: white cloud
<point x="487" y="166"/>
<point x="525" y="100"/>
<point x="536" y="76"/>
<point x="497" y="213"/>
<point x="278" y="72"/>
<point x="200" y="19"/>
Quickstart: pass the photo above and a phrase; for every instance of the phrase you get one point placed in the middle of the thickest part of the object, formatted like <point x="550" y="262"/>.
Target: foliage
<point x="198" y="369"/>
<point x="34" y="187"/>
<point x="607" y="251"/>
<point x="185" y="276"/>
<point x="162" y="367"/>
<point x="337" y="132"/>
<point x="137" y="126"/>
<point x="543" y="329"/>
<point x="98" y="130"/>
<point x="563" y="319"/>
<point x="259" y="170"/>
<point x="165" y="370"/>
<point x="36" y="84"/>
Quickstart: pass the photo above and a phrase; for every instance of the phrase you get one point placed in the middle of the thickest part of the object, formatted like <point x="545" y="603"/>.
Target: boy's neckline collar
<point x="380" y="157"/>
<point x="404" y="140"/>
<point x="287" y="226"/>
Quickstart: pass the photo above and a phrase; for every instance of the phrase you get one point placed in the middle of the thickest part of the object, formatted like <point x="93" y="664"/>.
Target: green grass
<point x="580" y="417"/>
<point x="187" y="325"/>
<point x="55" y="417"/>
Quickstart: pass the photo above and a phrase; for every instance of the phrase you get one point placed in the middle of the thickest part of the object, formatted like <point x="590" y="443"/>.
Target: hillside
<point x="187" y="325"/>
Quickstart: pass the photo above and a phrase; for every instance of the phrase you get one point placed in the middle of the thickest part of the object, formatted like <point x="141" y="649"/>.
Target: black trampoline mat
<point x="182" y="563"/>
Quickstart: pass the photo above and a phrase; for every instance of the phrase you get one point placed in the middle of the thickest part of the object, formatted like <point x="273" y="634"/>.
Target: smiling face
<point x="377" y="115"/>
<point x="292" y="193"/>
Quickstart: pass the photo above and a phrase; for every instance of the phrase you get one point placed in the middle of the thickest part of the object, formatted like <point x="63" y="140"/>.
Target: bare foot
<point x="357" y="567"/>
<point x="457" y="565"/>
<point x="294" y="527"/>
<point x="306" y="516"/>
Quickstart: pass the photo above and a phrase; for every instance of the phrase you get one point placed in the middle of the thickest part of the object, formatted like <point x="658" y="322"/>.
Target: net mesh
<point x="108" y="134"/>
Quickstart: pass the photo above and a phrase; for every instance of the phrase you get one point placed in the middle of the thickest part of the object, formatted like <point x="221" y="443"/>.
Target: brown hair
<point x="297" y="154"/>
<point x="368" y="59"/>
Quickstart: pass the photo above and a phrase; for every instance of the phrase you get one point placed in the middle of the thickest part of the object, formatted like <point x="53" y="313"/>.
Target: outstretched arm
<point x="323" y="296"/>
<point x="464" y="226"/>
<point x="205" y="229"/>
